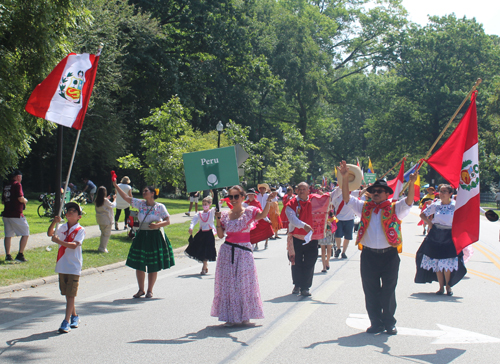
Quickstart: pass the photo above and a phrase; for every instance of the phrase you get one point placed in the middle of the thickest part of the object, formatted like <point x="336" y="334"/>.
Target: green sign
<point x="370" y="177"/>
<point x="212" y="168"/>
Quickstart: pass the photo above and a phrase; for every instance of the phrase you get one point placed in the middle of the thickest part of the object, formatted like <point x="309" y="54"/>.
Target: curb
<point x="54" y="278"/>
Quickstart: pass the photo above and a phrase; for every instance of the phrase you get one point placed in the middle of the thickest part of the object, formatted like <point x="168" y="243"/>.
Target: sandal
<point x="149" y="294"/>
<point x="139" y="294"/>
<point x="440" y="292"/>
<point x="449" y="293"/>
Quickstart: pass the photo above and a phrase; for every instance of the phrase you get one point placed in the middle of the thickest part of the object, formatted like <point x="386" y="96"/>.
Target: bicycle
<point x="46" y="208"/>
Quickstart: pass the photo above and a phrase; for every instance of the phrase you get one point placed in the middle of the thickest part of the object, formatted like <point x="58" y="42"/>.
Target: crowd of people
<point x="314" y="217"/>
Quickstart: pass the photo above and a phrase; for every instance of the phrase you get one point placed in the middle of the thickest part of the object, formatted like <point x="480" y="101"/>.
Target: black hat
<point x="15" y="172"/>
<point x="491" y="215"/>
<point x="251" y="191"/>
<point x="380" y="183"/>
<point x="73" y="205"/>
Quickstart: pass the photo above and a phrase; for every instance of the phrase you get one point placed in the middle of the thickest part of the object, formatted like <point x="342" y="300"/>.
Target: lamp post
<point x="219" y="128"/>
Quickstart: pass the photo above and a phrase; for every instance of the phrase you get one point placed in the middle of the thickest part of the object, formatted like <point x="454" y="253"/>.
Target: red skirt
<point x="263" y="230"/>
<point x="284" y="218"/>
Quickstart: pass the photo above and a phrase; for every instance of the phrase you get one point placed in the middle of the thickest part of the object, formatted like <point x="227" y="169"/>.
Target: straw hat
<point x="265" y="185"/>
<point x="355" y="177"/>
<point x="431" y="189"/>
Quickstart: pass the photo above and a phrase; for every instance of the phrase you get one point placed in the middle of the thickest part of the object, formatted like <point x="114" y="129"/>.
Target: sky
<point x="486" y="12"/>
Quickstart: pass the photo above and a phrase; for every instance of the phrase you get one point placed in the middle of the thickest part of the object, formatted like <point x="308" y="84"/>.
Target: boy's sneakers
<point x="64" y="327"/>
<point x="75" y="320"/>
<point x="20" y="258"/>
<point x="8" y="258"/>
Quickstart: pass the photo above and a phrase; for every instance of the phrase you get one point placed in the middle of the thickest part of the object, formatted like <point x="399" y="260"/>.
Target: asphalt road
<point x="176" y="327"/>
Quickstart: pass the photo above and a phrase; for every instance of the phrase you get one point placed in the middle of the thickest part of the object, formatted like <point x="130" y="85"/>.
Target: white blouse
<point x="206" y="220"/>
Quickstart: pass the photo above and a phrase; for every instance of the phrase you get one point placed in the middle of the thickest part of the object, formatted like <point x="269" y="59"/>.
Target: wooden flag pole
<point x="453" y="117"/>
<point x="394" y="166"/>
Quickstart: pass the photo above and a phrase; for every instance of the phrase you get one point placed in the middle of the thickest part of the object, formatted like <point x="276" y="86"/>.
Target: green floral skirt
<point x="150" y="252"/>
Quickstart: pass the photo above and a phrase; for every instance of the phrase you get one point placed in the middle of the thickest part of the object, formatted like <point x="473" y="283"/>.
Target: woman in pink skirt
<point x="236" y="292"/>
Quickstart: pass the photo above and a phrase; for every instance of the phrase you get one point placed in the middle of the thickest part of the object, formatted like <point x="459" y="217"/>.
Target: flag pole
<point x="394" y="166"/>
<point x="453" y="117"/>
<point x="69" y="170"/>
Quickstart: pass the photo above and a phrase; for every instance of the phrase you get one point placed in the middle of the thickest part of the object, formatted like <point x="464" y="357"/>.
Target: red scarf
<point x="69" y="239"/>
<point x="254" y="203"/>
<point x="386" y="205"/>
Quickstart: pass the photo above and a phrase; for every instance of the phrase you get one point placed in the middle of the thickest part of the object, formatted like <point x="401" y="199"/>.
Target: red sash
<point x="69" y="239"/>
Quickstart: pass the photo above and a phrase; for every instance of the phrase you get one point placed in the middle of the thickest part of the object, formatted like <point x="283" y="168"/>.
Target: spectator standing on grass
<point x="70" y="237"/>
<point x="15" y="223"/>
<point x="193" y="199"/>
<point x="104" y="217"/>
<point x="121" y="204"/>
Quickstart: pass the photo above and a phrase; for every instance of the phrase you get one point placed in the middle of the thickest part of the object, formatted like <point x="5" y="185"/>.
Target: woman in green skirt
<point x="151" y="250"/>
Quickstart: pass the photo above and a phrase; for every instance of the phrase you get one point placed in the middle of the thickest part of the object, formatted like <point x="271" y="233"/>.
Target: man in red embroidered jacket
<point x="70" y="237"/>
<point x="305" y="213"/>
<point x="380" y="240"/>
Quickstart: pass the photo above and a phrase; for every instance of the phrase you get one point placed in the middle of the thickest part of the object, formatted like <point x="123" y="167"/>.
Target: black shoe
<point x="20" y="258"/>
<point x="305" y="293"/>
<point x="8" y="258"/>
<point x="344" y="256"/>
<point x="391" y="330"/>
<point x="296" y="290"/>
<point x="375" y="329"/>
<point x="337" y="253"/>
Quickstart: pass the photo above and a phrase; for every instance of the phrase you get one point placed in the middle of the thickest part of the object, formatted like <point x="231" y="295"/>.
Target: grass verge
<point x="41" y="263"/>
<point x="40" y="224"/>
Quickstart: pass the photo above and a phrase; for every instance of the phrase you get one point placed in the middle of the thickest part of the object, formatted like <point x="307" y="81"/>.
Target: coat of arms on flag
<point x="71" y="87"/>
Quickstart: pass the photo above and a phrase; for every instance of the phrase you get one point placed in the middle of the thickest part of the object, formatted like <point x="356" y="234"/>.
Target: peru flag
<point x="63" y="97"/>
<point x="397" y="183"/>
<point x="458" y="162"/>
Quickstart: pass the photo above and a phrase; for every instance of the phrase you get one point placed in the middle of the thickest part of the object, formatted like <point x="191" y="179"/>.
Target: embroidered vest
<point x="390" y="224"/>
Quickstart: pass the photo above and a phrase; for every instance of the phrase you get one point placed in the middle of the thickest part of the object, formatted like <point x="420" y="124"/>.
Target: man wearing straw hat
<point x="380" y="240"/>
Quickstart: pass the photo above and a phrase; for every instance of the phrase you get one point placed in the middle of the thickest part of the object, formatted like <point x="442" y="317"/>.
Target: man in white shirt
<point x="345" y="225"/>
<point x="380" y="240"/>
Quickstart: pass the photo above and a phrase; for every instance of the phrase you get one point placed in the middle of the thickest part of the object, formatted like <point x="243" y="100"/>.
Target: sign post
<point x="210" y="169"/>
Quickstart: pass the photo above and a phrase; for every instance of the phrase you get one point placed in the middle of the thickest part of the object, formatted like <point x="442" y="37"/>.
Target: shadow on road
<point x="433" y="297"/>
<point x="216" y="331"/>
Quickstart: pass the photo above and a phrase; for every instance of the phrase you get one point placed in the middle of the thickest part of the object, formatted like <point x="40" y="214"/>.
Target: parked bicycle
<point x="46" y="208"/>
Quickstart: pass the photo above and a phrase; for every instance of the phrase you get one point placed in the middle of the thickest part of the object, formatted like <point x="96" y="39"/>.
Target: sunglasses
<point x="235" y="197"/>
<point x="378" y="190"/>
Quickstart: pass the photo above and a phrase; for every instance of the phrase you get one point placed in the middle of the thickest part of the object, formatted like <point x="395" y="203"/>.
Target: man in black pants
<point x="299" y="213"/>
<point x="380" y="240"/>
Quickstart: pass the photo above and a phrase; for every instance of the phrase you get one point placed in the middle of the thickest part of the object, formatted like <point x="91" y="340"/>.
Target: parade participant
<point x="202" y="246"/>
<point x="14" y="222"/>
<point x="287" y="197"/>
<point x="70" y="237"/>
<point x="263" y="229"/>
<point x="300" y="214"/>
<point x="92" y="188"/>
<point x="380" y="240"/>
<point x="151" y="250"/>
<point x="121" y="204"/>
<point x="345" y="226"/>
<point x="193" y="198"/>
<point x="274" y="215"/>
<point x="327" y="242"/>
<point x="437" y="258"/>
<point x="104" y="217"/>
<point x="236" y="292"/>
<point x="262" y="196"/>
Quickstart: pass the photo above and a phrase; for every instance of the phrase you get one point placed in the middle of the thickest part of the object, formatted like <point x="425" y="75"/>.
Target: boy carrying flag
<point x="70" y="237"/>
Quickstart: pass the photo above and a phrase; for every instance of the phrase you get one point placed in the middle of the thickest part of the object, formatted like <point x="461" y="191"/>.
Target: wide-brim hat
<point x="73" y="205"/>
<point x="380" y="183"/>
<point x="251" y="191"/>
<point x="429" y="189"/>
<point x="491" y="215"/>
<point x="355" y="177"/>
<point x="263" y="185"/>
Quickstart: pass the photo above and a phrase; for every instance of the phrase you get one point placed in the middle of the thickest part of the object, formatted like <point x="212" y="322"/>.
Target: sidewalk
<point x="42" y="240"/>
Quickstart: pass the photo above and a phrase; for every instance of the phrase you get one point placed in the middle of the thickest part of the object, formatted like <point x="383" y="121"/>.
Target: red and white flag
<point x="458" y="162"/>
<point x="397" y="183"/>
<point x="63" y="97"/>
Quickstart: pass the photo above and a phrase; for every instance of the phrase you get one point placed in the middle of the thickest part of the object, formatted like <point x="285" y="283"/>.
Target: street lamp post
<point x="220" y="128"/>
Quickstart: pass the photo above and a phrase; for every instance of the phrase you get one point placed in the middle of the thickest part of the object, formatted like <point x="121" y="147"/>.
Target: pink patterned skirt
<point x="236" y="290"/>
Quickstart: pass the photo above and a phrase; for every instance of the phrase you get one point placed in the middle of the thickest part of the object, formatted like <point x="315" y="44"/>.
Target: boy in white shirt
<point x="70" y="237"/>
